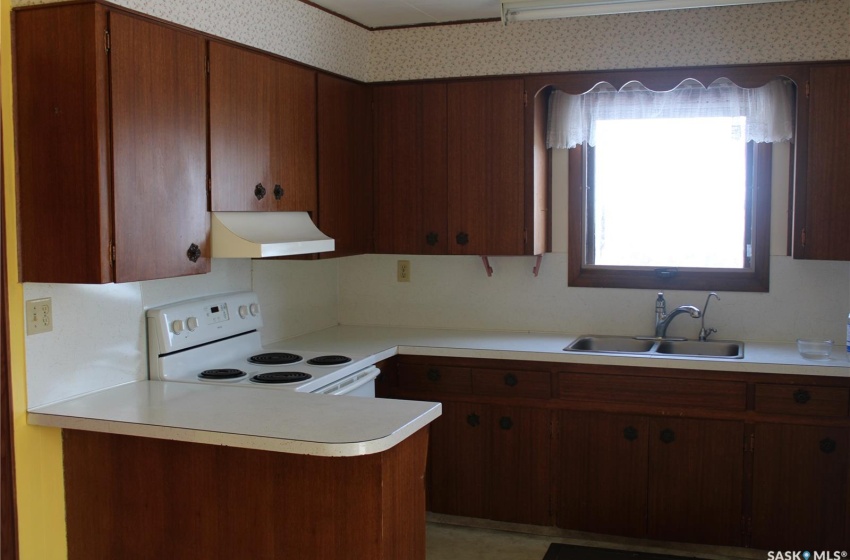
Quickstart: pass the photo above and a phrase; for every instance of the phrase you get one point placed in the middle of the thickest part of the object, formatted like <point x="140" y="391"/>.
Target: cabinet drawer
<point x="657" y="391"/>
<point x="424" y="377"/>
<point x="802" y="399"/>
<point x="504" y="383"/>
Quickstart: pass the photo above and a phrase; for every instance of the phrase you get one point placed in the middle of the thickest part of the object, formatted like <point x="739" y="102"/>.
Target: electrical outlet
<point x="39" y="316"/>
<point x="403" y="274"/>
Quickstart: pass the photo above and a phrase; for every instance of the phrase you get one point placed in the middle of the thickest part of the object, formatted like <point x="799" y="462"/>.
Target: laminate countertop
<point x="346" y="426"/>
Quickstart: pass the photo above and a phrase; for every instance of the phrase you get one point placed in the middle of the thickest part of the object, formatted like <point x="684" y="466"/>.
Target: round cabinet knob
<point x="192" y="323"/>
<point x="177" y="326"/>
<point x="255" y="309"/>
<point x="243" y="311"/>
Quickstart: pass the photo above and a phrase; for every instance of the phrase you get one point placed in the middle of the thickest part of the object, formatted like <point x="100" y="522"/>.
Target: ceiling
<point x="389" y="13"/>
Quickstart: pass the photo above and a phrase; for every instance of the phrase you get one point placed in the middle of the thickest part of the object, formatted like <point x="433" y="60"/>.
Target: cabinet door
<point x="602" y="473"/>
<point x="696" y="480"/>
<point x="159" y="141"/>
<point x="827" y="198"/>
<point x="345" y="165"/>
<point x="410" y="169"/>
<point x="486" y="167"/>
<point x="799" y="487"/>
<point x="518" y="465"/>
<point x="457" y="460"/>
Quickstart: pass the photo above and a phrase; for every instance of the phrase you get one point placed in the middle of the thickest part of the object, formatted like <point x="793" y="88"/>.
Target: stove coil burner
<point x="224" y="373"/>
<point x="281" y="377"/>
<point x="331" y="360"/>
<point x="275" y="358"/>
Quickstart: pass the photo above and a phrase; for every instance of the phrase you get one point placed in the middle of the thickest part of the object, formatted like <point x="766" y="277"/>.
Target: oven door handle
<point x="368" y="375"/>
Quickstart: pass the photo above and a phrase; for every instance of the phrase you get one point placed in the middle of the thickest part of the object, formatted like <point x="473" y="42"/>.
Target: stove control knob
<point x="192" y="323"/>
<point x="177" y="326"/>
<point x="255" y="310"/>
<point x="243" y="311"/>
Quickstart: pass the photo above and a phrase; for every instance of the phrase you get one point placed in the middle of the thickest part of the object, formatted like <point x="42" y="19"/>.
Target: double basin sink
<point x="658" y="347"/>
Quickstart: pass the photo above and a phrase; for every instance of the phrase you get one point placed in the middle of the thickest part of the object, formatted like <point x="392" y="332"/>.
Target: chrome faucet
<point x="703" y="333"/>
<point x="663" y="320"/>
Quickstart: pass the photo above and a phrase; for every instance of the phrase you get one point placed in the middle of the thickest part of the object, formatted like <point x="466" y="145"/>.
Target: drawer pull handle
<point x="506" y="423"/>
<point x="462" y="238"/>
<point x="473" y="420"/>
<point x="259" y="191"/>
<point x="511" y="380"/>
<point x="278" y="192"/>
<point x="801" y="396"/>
<point x="194" y="253"/>
<point x="630" y="433"/>
<point x="431" y="238"/>
<point x="827" y="445"/>
<point x="433" y="374"/>
<point x="668" y="436"/>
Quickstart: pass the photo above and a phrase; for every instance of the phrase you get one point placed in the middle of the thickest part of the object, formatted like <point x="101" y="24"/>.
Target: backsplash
<point x="775" y="32"/>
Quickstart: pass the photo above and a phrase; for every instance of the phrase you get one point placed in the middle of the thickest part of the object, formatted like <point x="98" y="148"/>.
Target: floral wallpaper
<point x="286" y="27"/>
<point x="776" y="32"/>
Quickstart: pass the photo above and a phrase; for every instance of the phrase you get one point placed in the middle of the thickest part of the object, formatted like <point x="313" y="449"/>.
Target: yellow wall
<point x="38" y="451"/>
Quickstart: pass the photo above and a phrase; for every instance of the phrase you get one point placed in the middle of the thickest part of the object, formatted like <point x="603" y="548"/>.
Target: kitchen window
<point x="671" y="189"/>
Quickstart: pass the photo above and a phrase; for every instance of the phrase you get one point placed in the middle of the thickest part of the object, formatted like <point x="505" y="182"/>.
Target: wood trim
<point x="8" y="514"/>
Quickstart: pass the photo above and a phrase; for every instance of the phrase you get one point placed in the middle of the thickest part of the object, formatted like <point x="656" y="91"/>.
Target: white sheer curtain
<point x="768" y="109"/>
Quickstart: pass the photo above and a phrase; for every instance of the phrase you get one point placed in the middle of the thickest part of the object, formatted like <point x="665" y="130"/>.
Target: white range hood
<point x="256" y="235"/>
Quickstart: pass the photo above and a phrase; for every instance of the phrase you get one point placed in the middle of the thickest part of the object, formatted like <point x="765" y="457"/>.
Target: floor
<point x="454" y="538"/>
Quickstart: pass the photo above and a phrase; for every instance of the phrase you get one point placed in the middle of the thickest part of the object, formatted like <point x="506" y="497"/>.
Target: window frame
<point x="756" y="279"/>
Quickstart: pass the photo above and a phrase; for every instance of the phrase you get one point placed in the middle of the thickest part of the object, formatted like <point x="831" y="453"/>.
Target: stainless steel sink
<point x="708" y="348"/>
<point x="604" y="344"/>
<point x="611" y="344"/>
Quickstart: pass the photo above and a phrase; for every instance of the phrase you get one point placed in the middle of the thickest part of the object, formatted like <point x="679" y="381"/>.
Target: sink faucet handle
<point x="660" y="304"/>
<point x="703" y="332"/>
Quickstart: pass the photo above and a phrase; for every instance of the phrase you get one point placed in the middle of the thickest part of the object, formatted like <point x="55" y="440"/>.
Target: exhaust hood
<point x="256" y="235"/>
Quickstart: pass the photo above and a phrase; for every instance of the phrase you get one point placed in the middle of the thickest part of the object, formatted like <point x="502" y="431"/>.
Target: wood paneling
<point x="262" y="131"/>
<point x="159" y="137"/>
<point x="141" y="498"/>
<point x="411" y="205"/>
<point x="486" y="167"/>
<point x="696" y="480"/>
<point x="345" y="164"/>
<point x="800" y="487"/>
<point x="602" y="473"/>
<point x="824" y="211"/>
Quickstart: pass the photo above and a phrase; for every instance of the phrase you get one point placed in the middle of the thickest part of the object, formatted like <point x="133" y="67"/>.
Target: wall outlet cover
<point x="39" y="316"/>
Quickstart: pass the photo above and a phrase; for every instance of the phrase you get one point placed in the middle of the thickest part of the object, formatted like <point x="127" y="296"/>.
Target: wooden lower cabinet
<point x="490" y="462"/>
<point x="800" y="494"/>
<point x="635" y="476"/>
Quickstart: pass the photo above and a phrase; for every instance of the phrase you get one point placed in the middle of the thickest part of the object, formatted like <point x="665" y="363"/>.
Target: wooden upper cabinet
<point x="486" y="167"/>
<point x="345" y="164"/>
<point x="411" y="203"/>
<point x="111" y="146"/>
<point x="821" y="223"/>
<point x="262" y="132"/>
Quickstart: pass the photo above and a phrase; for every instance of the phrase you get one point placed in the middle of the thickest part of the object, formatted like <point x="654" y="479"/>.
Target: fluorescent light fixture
<point x="551" y="9"/>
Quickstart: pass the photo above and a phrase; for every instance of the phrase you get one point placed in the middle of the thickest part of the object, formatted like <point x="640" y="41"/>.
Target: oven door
<point x="360" y="384"/>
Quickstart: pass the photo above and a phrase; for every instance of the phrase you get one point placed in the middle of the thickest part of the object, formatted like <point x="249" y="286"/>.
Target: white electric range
<point x="216" y="340"/>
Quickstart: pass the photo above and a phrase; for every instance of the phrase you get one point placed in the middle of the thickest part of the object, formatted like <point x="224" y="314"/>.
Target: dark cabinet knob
<point x="827" y="445"/>
<point x="278" y="192"/>
<point x="259" y="191"/>
<point x="506" y="423"/>
<point x="630" y="433"/>
<point x="801" y="396"/>
<point x="194" y="253"/>
<point x="511" y="380"/>
<point x="462" y="238"/>
<point x="668" y="436"/>
<point x="473" y="420"/>
<point x="433" y="374"/>
<point x="431" y="238"/>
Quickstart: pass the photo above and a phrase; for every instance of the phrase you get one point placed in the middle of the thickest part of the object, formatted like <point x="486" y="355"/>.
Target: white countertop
<point x="383" y="342"/>
<point x="254" y="418"/>
<point x="346" y="426"/>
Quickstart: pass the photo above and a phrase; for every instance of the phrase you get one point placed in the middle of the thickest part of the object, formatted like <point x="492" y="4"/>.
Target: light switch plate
<point x="39" y="316"/>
